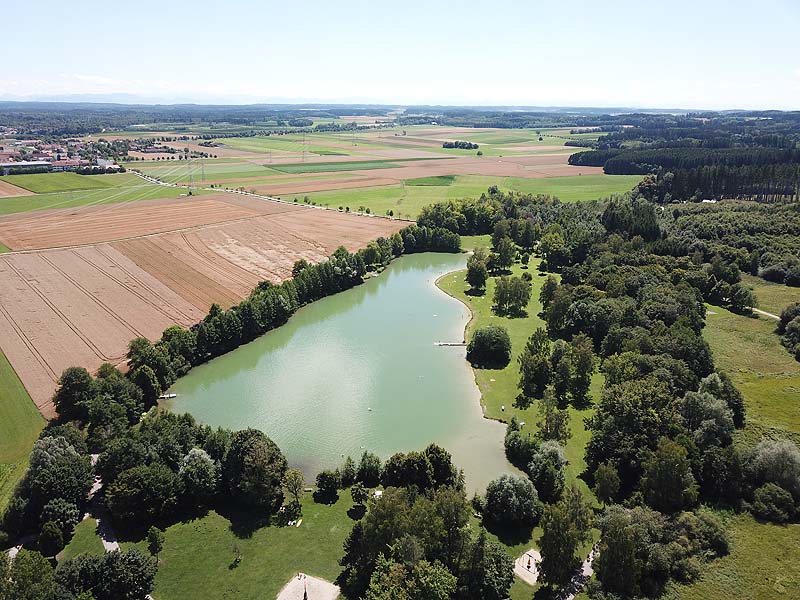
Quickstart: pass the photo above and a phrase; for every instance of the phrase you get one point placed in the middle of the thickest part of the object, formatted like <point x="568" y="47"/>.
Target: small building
<point x="7" y="168"/>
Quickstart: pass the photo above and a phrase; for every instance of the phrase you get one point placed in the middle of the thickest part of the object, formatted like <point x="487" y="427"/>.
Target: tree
<point x="777" y="462"/>
<point x="477" y="273"/>
<point x="512" y="500"/>
<point x="63" y="513"/>
<point x="348" y="472"/>
<point x="199" y="474"/>
<point x="583" y="362"/>
<point x="668" y="483"/>
<point x="146" y="379"/>
<point x="31" y="577"/>
<point x="489" y="572"/>
<point x="548" y="291"/>
<point x="606" y="482"/>
<point x="553" y="422"/>
<point x="506" y="252"/>
<point x="51" y="540"/>
<point x="742" y="299"/>
<point x="359" y="493"/>
<point x="328" y="483"/>
<point x="293" y="484"/>
<point x="511" y="295"/>
<point x="369" y="469"/>
<point x="155" y="541"/>
<point x="253" y="470"/>
<point x="75" y="389"/>
<point x="546" y="470"/>
<point x="562" y="378"/>
<point x="617" y="566"/>
<point x="126" y="575"/>
<point x="490" y="347"/>
<point x="558" y="546"/>
<point x="143" y="494"/>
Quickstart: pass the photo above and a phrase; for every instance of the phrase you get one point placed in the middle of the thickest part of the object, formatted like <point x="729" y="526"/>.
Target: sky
<point x="700" y="54"/>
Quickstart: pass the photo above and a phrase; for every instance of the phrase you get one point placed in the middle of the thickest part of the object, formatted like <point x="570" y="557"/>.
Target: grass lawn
<point x="764" y="563"/>
<point x="20" y="424"/>
<point x="767" y="375"/>
<point x="772" y="297"/>
<point x="42" y="183"/>
<point x="84" y="541"/>
<point x="197" y="558"/>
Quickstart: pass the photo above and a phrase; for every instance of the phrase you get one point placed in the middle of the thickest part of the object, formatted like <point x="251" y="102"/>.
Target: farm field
<point x="42" y="183"/>
<point x="407" y="198"/>
<point x="20" y="424"/>
<point x="8" y="190"/>
<point x="120" y="279"/>
<point x="131" y="189"/>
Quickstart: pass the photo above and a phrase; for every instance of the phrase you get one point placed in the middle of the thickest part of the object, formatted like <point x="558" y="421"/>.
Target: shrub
<point x="773" y="503"/>
<point x="512" y="500"/>
<point x="490" y="347"/>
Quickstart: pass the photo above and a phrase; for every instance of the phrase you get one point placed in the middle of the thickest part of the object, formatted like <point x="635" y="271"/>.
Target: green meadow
<point x="42" y="183"/>
<point x="20" y="424"/>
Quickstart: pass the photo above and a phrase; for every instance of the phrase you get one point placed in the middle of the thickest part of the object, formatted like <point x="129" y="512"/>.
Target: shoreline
<point x="466" y="331"/>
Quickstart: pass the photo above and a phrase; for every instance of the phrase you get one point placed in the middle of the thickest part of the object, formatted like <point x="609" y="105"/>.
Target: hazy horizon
<point x="714" y="55"/>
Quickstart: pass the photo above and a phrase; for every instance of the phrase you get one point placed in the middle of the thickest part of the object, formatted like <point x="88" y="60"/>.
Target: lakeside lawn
<point x="20" y="424"/>
<point x="499" y="386"/>
<point x="197" y="560"/>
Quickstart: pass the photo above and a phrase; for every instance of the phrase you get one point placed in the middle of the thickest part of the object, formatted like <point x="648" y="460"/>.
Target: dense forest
<point x="748" y="156"/>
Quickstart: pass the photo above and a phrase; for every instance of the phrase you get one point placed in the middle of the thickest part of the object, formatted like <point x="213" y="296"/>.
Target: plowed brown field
<point x="8" y="190"/>
<point x="135" y="271"/>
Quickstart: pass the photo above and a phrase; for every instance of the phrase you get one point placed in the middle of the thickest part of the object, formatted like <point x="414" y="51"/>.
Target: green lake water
<point x="358" y="370"/>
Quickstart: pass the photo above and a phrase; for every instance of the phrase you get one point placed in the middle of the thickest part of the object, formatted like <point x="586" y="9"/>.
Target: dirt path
<point x="304" y="586"/>
<point x="766" y="314"/>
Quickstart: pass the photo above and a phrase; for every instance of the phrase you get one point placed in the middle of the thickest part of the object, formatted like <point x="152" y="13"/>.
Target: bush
<point x="490" y="347"/>
<point x="773" y="503"/>
<point x="512" y="500"/>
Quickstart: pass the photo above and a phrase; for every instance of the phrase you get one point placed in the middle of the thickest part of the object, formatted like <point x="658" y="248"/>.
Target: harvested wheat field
<point x="92" y="224"/>
<point x="81" y="305"/>
<point x="8" y="190"/>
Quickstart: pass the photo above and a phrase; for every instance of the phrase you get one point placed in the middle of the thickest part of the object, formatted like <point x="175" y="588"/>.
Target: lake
<point x="359" y="370"/>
